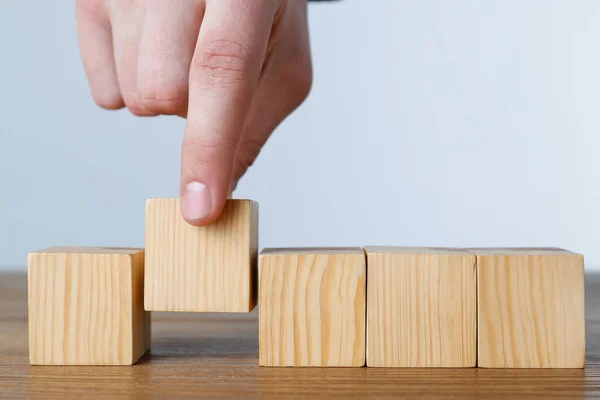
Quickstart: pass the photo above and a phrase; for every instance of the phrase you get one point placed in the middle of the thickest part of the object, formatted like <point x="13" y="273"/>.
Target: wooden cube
<point x="312" y="307"/>
<point x="86" y="306"/>
<point x="421" y="307"/>
<point x="531" y="308"/>
<point x="211" y="268"/>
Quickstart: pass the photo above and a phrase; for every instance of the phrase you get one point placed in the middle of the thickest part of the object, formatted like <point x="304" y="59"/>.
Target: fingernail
<point x="195" y="203"/>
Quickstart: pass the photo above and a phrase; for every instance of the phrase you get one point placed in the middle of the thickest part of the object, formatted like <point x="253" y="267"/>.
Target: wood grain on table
<point x="216" y="356"/>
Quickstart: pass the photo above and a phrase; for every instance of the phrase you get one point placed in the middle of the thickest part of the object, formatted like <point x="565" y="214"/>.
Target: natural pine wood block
<point x="421" y="307"/>
<point x="86" y="306"/>
<point x="531" y="308"/>
<point x="211" y="268"/>
<point x="312" y="307"/>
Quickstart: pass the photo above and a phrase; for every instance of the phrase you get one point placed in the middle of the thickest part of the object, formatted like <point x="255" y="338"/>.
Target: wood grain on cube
<point x="86" y="306"/>
<point x="211" y="268"/>
<point x="312" y="307"/>
<point x="421" y="307"/>
<point x="531" y="308"/>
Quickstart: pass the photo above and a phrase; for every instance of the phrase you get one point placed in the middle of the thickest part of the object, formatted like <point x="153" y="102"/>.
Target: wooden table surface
<point x="216" y="356"/>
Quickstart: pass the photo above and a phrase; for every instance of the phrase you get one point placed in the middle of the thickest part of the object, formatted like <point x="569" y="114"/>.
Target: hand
<point x="234" y="68"/>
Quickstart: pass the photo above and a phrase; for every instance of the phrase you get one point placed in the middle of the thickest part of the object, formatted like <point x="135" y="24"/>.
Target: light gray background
<point x="431" y="122"/>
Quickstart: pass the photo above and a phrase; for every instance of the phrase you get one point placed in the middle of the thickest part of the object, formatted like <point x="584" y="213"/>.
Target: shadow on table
<point x="217" y="350"/>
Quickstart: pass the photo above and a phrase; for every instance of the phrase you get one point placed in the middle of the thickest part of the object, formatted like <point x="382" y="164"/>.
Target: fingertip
<point x="198" y="222"/>
<point x="206" y="170"/>
<point x="197" y="205"/>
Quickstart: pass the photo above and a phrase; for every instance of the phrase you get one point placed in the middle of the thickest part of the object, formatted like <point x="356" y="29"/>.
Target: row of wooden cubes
<point x="422" y="307"/>
<point x="383" y="306"/>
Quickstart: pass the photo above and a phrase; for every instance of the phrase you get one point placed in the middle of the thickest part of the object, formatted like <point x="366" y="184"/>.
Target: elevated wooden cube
<point x="421" y="307"/>
<point x="531" y="308"/>
<point x="86" y="306"/>
<point x="211" y="268"/>
<point x="312" y="307"/>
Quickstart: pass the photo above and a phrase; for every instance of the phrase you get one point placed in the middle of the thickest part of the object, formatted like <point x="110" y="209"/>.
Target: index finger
<point x="224" y="72"/>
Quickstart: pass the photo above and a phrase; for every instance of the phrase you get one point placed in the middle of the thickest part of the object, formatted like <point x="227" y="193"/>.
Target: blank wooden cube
<point x="211" y="268"/>
<point x="531" y="308"/>
<point x="86" y="306"/>
<point x="421" y="307"/>
<point x="312" y="307"/>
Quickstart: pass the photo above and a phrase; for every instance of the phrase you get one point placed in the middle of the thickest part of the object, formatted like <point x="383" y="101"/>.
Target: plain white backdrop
<point x="462" y="123"/>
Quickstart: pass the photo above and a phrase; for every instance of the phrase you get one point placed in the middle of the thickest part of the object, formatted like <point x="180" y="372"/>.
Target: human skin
<point x="235" y="69"/>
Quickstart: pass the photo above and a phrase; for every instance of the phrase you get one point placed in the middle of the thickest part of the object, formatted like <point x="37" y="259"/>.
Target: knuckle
<point x="136" y="107"/>
<point x="139" y="111"/>
<point x="163" y="98"/>
<point x="221" y="62"/>
<point x="108" y="100"/>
